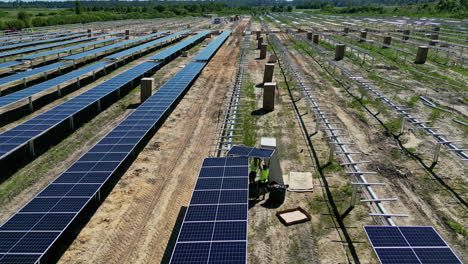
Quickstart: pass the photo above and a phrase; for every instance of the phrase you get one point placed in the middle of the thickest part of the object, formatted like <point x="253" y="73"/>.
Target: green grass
<point x="249" y="125"/>
<point x="458" y="228"/>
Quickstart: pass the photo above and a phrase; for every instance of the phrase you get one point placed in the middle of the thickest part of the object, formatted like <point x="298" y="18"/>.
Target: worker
<point x="262" y="186"/>
<point x="264" y="174"/>
<point x="254" y="166"/>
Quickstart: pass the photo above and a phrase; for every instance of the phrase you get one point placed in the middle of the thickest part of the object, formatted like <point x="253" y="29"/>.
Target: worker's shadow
<point x="267" y="197"/>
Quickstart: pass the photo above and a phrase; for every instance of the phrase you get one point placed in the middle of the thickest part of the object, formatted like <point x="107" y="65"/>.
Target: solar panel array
<point x="67" y="49"/>
<point x="44" y="86"/>
<point x="35" y="71"/>
<point x="9" y="64"/>
<point x="179" y="47"/>
<point x="250" y="152"/>
<point x="213" y="46"/>
<point x="40" y="37"/>
<point x="141" y="47"/>
<point x="20" y="135"/>
<point x="14" y="46"/>
<point x="41" y="47"/>
<point x="410" y="244"/>
<point x="214" y="229"/>
<point x="27" y="236"/>
<point x="30" y="232"/>
<point x="113" y="46"/>
<point x="35" y="35"/>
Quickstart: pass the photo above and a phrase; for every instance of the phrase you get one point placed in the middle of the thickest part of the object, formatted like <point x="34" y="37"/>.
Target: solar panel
<point x="214" y="229"/>
<point x="409" y="244"/>
<point x="250" y="152"/>
<point x="47" y="36"/>
<point x="15" y="46"/>
<point x="113" y="46"/>
<point x="10" y="64"/>
<point x="214" y="45"/>
<point x="67" y="49"/>
<point x="30" y="73"/>
<point x="72" y="190"/>
<point x="44" y="86"/>
<point x="179" y="47"/>
<point x="139" y="48"/>
<point x="41" y="47"/>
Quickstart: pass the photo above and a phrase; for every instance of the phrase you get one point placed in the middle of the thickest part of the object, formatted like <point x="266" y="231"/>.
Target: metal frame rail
<point x="324" y="116"/>
<point x="231" y="119"/>
<point x="418" y="122"/>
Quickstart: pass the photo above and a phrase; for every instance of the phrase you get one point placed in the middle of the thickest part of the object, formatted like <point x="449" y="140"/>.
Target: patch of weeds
<point x="411" y="150"/>
<point x="362" y="116"/>
<point x="249" y="121"/>
<point x="435" y="114"/>
<point x="333" y="167"/>
<point x="394" y="125"/>
<point x="412" y="101"/>
<point x="395" y="153"/>
<point x="458" y="228"/>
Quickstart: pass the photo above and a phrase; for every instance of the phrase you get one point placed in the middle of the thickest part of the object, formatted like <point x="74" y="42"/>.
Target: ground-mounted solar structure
<point x="46" y="217"/>
<point x="214" y="229"/>
<point x="409" y="244"/>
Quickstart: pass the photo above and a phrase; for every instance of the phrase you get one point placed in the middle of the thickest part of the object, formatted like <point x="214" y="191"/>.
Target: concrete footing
<point x="269" y="96"/>
<point x="259" y="42"/>
<point x="387" y="41"/>
<point x="421" y="55"/>
<point x="127" y="34"/>
<point x="309" y="35"/>
<point x="406" y="34"/>
<point x="316" y="38"/>
<point x="346" y="30"/>
<point x="258" y="34"/>
<point x="340" y="51"/>
<point x="263" y="51"/>
<point x="268" y="74"/>
<point x="363" y="36"/>
<point x="272" y="58"/>
<point x="89" y="33"/>
<point x="147" y="85"/>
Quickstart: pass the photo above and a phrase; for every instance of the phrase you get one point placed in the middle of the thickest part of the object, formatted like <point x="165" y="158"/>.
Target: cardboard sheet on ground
<point x="300" y="182"/>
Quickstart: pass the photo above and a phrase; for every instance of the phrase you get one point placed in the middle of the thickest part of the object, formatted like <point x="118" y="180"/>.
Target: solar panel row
<point x="20" y="135"/>
<point x="44" y="86"/>
<point x="10" y="64"/>
<point x="14" y="46"/>
<point x="212" y="47"/>
<point x="31" y="35"/>
<point x="23" y="40"/>
<point x="35" y="71"/>
<point x="113" y="46"/>
<point x="410" y="244"/>
<point x="141" y="47"/>
<point x="67" y="49"/>
<point x="179" y="47"/>
<point x="250" y="152"/>
<point x="41" y="47"/>
<point x="214" y="229"/>
<point x="29" y="233"/>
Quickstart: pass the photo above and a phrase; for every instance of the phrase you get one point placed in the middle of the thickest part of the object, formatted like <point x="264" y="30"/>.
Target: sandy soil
<point x="136" y="220"/>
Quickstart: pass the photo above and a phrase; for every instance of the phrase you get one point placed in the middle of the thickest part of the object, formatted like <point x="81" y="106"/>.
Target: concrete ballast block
<point x="340" y="51"/>
<point x="268" y="74"/>
<point x="421" y="55"/>
<point x="406" y="34"/>
<point x="89" y="33"/>
<point x="363" y="36"/>
<point x="259" y="43"/>
<point x="309" y="35"/>
<point x="127" y="34"/>
<point x="316" y="38"/>
<point x="346" y="30"/>
<point x="269" y="89"/>
<point x="263" y="50"/>
<point x="387" y="41"/>
<point x="272" y="58"/>
<point x="147" y="85"/>
<point x="258" y="34"/>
